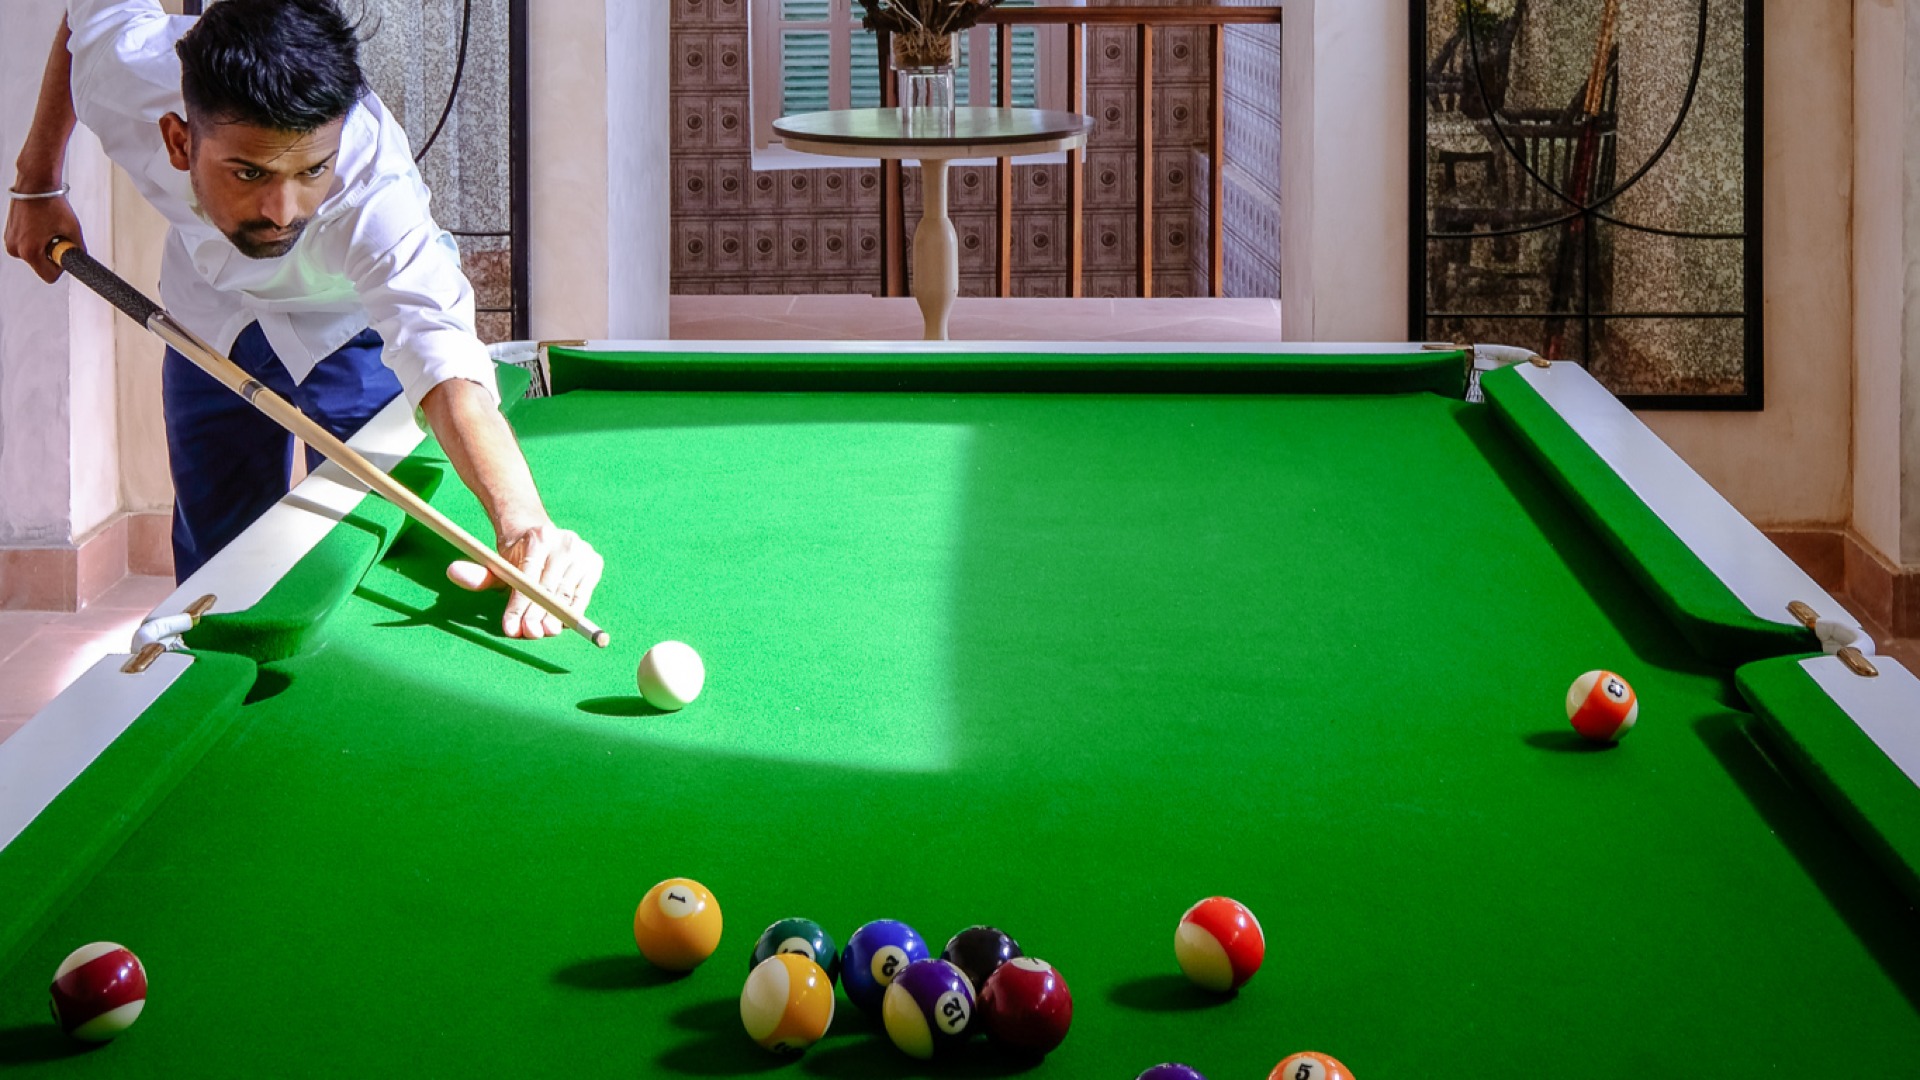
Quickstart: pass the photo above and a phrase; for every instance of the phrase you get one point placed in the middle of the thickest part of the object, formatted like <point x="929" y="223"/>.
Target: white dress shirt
<point x="371" y="256"/>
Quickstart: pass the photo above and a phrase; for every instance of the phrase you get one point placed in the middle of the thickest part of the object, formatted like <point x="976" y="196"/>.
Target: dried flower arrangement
<point x="923" y="29"/>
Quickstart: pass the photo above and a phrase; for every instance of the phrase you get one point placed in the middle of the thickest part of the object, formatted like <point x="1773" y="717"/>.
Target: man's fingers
<point x="523" y="618"/>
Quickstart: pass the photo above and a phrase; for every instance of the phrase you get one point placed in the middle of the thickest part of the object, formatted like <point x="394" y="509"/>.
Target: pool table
<point x="1060" y="639"/>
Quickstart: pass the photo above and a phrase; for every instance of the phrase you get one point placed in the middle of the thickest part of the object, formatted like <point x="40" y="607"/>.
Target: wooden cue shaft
<point x="114" y="289"/>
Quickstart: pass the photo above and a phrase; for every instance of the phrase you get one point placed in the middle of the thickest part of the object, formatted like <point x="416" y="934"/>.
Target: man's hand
<point x="564" y="564"/>
<point x="31" y="226"/>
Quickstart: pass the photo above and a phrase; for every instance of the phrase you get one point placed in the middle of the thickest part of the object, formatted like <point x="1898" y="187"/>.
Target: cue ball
<point x="98" y="991"/>
<point x="874" y="955"/>
<point x="787" y="1004"/>
<point x="1219" y="944"/>
<point x="1026" y="1006"/>
<point x="671" y="675"/>
<point x="1310" y="1066"/>
<point x="677" y="924"/>
<point x="1601" y="706"/>
<point x="1172" y="1070"/>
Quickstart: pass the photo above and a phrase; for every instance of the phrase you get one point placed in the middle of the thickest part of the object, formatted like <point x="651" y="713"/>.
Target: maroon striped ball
<point x="99" y="991"/>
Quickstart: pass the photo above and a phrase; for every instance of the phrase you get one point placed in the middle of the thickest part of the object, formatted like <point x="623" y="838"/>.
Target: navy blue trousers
<point x="229" y="462"/>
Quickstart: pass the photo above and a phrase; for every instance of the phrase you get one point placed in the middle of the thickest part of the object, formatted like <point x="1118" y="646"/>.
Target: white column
<point x="639" y="169"/>
<point x="601" y="174"/>
<point x="59" y="475"/>
<point x="1343" y="130"/>
<point x="1886" y="271"/>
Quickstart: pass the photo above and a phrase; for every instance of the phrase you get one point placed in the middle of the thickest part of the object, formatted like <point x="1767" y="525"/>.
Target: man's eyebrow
<point x="256" y="165"/>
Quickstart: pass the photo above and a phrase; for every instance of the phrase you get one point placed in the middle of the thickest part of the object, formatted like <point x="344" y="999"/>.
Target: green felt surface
<point x="1711" y="617"/>
<point x="1061" y="663"/>
<point x="1864" y="787"/>
<point x="81" y="830"/>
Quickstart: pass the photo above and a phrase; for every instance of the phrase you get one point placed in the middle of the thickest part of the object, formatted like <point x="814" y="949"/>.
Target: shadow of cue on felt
<point x="446" y="614"/>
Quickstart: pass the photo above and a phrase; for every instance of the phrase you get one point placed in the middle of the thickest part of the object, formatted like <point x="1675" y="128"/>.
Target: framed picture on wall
<point x="1586" y="183"/>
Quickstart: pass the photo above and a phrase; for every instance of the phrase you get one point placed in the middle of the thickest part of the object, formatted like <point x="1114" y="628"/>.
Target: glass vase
<point x="923" y="66"/>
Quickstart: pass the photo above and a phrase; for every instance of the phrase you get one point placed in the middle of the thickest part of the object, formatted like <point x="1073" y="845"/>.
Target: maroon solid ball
<point x="1026" y="1006"/>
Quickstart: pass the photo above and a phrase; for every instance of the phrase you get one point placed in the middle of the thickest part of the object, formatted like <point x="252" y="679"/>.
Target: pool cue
<point x="114" y="290"/>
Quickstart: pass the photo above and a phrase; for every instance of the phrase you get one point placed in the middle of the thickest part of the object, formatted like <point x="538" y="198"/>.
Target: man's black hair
<point x="289" y="65"/>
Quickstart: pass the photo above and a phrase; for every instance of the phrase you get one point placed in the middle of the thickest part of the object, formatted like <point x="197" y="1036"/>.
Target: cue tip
<point x="601" y="638"/>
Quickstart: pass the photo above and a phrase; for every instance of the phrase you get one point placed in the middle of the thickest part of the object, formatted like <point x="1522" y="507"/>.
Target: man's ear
<point x="174" y="132"/>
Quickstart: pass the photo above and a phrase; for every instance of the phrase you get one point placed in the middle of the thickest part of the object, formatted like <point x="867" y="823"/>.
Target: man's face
<point x="256" y="185"/>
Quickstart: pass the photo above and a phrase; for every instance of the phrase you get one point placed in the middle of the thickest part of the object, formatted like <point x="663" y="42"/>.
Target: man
<point x="301" y="245"/>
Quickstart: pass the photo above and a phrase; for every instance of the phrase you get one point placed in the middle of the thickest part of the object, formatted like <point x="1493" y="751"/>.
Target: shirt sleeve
<point x="124" y="68"/>
<point x="406" y="271"/>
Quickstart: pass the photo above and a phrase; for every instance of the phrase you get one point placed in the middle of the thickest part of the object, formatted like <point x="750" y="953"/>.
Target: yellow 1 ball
<point x="677" y="925"/>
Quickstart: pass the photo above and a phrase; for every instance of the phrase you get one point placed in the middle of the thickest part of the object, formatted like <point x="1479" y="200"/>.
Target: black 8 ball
<point x="979" y="951"/>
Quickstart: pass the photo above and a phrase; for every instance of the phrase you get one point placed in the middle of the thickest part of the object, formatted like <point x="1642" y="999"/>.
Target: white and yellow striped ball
<point x="787" y="1004"/>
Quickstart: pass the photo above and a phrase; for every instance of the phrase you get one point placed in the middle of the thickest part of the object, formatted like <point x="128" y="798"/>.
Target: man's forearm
<point x="43" y="157"/>
<point x="483" y="451"/>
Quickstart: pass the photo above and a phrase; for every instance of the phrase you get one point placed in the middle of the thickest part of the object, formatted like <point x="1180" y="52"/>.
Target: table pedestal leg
<point x="936" y="252"/>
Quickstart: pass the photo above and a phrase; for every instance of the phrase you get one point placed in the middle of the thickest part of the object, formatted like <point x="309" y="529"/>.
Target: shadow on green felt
<point x="1567" y="742"/>
<point x="621" y="705"/>
<point x="720" y="1015"/>
<point x="617" y="972"/>
<point x="871" y="1054"/>
<point x="268" y="683"/>
<point x="1165" y="993"/>
<point x="721" y="1054"/>
<point x="462" y="617"/>
<point x="32" y="1043"/>
<point x="1874" y="908"/>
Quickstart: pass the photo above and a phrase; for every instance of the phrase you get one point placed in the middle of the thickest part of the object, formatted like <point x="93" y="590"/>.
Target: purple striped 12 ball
<point x="928" y="1008"/>
<point x="1172" y="1070"/>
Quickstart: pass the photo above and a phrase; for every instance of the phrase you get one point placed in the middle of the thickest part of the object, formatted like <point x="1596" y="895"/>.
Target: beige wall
<point x="1789" y="464"/>
<point x="1345" y="230"/>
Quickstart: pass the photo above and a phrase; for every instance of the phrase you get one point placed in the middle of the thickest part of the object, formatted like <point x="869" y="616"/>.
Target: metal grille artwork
<point x="454" y="73"/>
<point x="1586" y="182"/>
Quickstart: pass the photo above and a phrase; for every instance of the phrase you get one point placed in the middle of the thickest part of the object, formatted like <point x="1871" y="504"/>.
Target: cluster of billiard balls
<point x="981" y="982"/>
<point x="930" y="1006"/>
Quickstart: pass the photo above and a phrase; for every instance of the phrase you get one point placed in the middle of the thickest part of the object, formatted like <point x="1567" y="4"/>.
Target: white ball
<point x="671" y="675"/>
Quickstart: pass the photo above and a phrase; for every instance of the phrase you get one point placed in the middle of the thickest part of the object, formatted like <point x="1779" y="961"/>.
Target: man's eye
<point x="249" y="175"/>
<point x="317" y="170"/>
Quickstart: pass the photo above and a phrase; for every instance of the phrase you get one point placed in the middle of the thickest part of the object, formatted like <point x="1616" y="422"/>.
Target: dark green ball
<point x="803" y="937"/>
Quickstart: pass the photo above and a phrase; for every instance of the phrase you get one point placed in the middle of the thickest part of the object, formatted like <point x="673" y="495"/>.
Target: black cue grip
<point x="88" y="270"/>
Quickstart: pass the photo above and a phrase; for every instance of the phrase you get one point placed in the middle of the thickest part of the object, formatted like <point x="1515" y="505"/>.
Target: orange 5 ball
<point x="677" y="925"/>
<point x="1310" y="1066"/>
